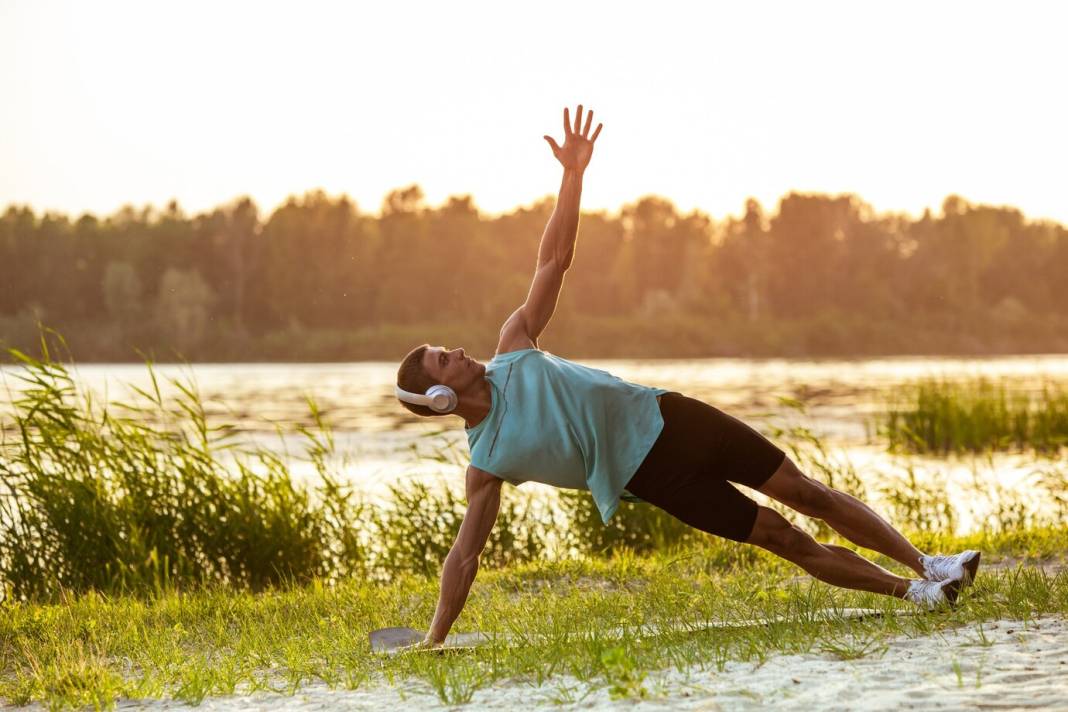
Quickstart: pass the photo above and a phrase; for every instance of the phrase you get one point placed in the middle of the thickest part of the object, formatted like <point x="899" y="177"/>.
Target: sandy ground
<point x="1019" y="665"/>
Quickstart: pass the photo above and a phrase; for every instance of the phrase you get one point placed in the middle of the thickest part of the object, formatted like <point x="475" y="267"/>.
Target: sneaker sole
<point x="951" y="589"/>
<point x="971" y="566"/>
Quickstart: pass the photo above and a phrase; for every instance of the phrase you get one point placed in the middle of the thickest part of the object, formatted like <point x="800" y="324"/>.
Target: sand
<point x="1019" y="665"/>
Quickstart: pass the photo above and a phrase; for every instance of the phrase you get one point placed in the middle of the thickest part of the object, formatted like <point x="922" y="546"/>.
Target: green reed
<point x="135" y="496"/>
<point x="220" y="575"/>
<point x="147" y="496"/>
<point x="144" y="496"/>
<point x="415" y="532"/>
<point x="934" y="416"/>
<point x="635" y="526"/>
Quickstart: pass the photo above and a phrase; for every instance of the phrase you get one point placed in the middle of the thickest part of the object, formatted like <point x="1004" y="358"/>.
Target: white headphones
<point x="440" y="399"/>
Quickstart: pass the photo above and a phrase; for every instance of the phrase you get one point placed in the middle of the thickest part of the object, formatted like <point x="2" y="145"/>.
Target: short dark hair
<point x="412" y="377"/>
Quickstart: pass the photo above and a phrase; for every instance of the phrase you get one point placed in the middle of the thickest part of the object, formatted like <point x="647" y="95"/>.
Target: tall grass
<point x="415" y="532"/>
<point x="942" y="417"/>
<point x="634" y="526"/>
<point x="146" y="495"/>
<point x="148" y="498"/>
<point x="96" y="497"/>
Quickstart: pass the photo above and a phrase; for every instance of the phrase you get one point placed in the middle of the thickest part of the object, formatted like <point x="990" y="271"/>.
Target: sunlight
<point x="131" y="102"/>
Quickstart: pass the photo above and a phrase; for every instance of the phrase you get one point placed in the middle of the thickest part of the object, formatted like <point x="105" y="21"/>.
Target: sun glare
<point x="126" y="102"/>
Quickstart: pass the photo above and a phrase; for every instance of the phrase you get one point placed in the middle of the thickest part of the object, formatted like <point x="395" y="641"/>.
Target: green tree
<point x="183" y="309"/>
<point x="122" y="292"/>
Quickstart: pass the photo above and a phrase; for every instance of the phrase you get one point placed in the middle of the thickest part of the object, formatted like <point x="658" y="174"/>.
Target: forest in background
<point x="319" y="279"/>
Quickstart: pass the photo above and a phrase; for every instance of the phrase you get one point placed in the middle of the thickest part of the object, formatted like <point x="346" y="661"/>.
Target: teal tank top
<point x="564" y="424"/>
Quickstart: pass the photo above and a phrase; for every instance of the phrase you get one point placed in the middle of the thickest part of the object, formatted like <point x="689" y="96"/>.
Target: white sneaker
<point x="932" y="594"/>
<point x="961" y="567"/>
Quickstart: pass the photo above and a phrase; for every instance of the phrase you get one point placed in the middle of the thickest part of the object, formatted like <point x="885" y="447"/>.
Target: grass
<point x="144" y="554"/>
<point x="95" y="649"/>
<point x="949" y="417"/>
<point x="145" y="495"/>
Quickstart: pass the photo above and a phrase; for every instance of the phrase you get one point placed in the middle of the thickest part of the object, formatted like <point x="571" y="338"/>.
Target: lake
<point x="378" y="442"/>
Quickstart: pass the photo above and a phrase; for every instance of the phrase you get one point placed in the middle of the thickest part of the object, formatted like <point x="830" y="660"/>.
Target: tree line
<point x="318" y="278"/>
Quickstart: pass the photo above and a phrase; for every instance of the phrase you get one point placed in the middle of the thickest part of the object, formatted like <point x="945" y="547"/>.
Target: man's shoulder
<point x="514" y="334"/>
<point x="517" y="350"/>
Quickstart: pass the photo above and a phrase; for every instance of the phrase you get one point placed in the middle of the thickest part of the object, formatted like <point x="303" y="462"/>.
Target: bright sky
<point x="106" y="103"/>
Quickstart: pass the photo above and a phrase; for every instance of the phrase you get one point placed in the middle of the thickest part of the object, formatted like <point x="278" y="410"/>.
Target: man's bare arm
<point x="557" y="249"/>
<point x="558" y="241"/>
<point x="461" y="563"/>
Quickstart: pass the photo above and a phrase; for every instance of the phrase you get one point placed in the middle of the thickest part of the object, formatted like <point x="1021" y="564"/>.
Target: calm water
<point x="379" y="442"/>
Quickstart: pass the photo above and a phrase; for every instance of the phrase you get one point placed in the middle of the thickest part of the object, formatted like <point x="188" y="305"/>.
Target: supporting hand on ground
<point x="423" y="644"/>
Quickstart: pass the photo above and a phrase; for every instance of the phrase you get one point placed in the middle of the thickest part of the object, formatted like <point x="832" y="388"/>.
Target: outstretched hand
<point x="578" y="144"/>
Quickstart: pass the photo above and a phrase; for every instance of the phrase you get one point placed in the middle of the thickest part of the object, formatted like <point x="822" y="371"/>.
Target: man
<point x="531" y="415"/>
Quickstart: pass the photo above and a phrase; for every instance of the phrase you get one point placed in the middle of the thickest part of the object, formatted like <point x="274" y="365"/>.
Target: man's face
<point x="452" y="367"/>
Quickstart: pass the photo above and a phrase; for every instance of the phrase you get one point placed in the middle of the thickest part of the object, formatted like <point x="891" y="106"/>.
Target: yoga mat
<point x="390" y="640"/>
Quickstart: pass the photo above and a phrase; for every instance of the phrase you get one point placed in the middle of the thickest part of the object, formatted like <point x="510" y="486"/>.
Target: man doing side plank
<point x="531" y="415"/>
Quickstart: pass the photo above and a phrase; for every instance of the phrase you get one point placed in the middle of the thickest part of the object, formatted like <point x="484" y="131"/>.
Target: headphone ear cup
<point x="443" y="399"/>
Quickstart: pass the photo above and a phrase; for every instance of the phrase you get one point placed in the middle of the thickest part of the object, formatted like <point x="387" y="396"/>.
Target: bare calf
<point x="835" y="565"/>
<point x="843" y="512"/>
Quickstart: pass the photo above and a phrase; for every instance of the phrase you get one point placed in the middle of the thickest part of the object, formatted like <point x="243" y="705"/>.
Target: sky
<point x="903" y="103"/>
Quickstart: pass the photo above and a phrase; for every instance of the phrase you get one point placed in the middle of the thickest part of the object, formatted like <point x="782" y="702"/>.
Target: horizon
<point x="269" y="103"/>
<point x="265" y="212"/>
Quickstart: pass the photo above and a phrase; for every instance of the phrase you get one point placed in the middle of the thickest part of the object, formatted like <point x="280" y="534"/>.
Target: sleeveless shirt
<point x="564" y="424"/>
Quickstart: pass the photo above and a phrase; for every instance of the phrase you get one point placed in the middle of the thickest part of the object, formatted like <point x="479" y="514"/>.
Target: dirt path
<point x="1004" y="664"/>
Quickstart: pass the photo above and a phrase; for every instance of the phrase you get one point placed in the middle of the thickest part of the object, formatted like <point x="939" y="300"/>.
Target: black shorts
<point x="687" y="470"/>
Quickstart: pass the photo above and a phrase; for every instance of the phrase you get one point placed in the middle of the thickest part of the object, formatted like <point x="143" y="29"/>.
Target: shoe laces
<point x="940" y="568"/>
<point x="927" y="593"/>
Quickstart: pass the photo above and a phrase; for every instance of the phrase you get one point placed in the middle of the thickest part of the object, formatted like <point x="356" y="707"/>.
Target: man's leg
<point x="835" y="565"/>
<point x="844" y="513"/>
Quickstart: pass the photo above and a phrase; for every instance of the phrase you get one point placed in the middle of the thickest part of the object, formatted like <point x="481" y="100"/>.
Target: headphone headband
<point x="439" y="398"/>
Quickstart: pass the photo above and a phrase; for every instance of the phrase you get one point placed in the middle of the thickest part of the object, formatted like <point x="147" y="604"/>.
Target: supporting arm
<point x="461" y="564"/>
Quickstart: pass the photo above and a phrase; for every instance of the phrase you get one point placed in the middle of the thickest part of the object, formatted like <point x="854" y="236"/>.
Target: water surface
<point x="379" y="442"/>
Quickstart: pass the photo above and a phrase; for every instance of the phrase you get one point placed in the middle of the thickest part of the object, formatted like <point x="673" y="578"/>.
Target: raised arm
<point x="461" y="563"/>
<point x="557" y="249"/>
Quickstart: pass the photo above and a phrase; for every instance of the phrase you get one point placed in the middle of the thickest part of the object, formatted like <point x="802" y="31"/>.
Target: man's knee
<point x="815" y="499"/>
<point x="799" y="492"/>
<point x="775" y="533"/>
